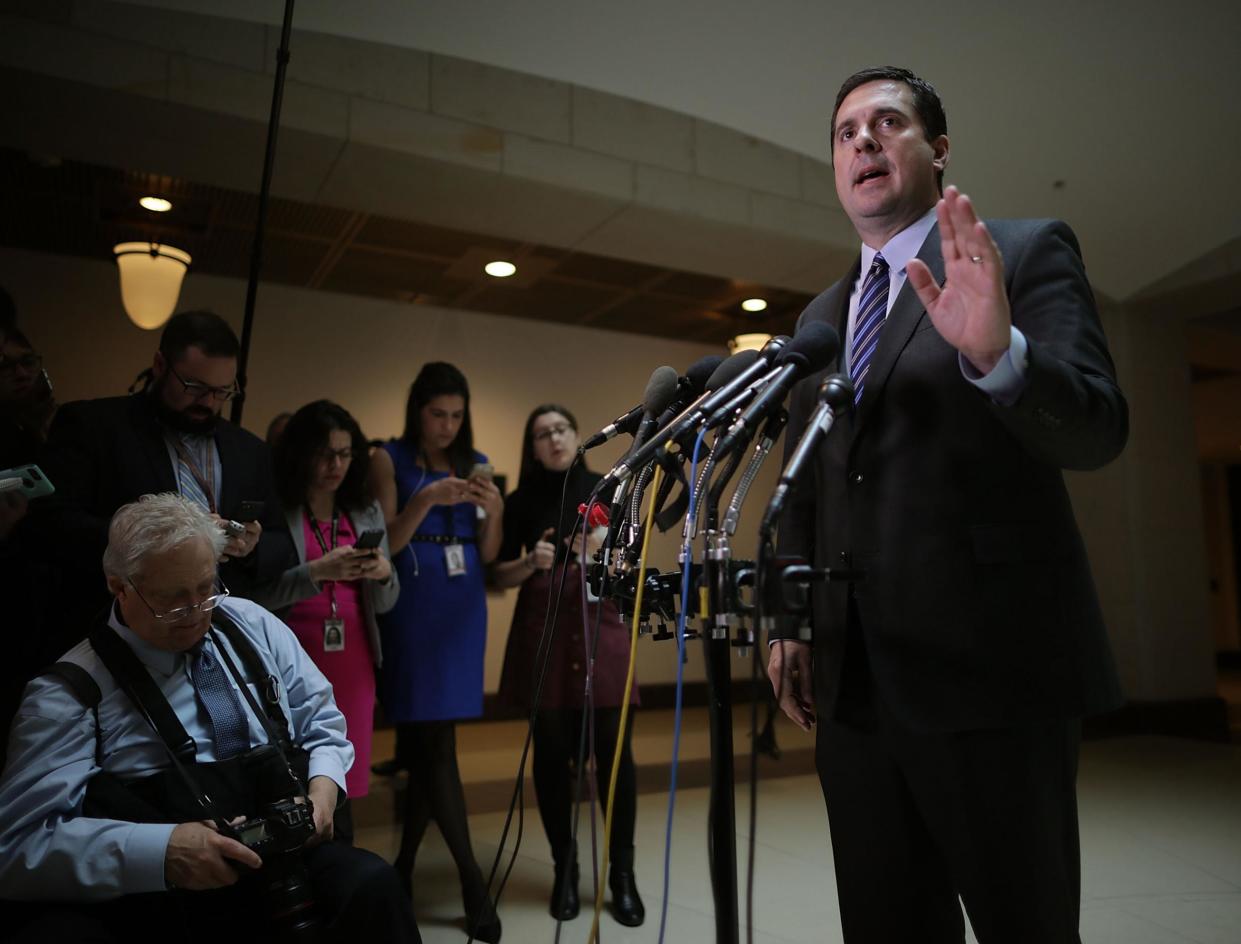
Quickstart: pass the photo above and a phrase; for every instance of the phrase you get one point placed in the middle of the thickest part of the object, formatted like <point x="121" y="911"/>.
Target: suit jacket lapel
<point x="154" y="448"/>
<point x="230" y="467"/>
<point x="901" y="322"/>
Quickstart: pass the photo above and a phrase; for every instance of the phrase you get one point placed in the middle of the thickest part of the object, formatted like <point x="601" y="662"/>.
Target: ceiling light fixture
<point x="748" y="342"/>
<point x="754" y="305"/>
<point x="500" y="269"/>
<point x="151" y="276"/>
<point x="155" y="204"/>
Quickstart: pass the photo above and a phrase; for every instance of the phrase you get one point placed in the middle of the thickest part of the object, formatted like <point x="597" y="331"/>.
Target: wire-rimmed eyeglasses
<point x="179" y="613"/>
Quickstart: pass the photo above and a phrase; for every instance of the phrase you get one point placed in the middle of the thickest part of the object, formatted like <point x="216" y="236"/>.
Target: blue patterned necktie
<point x="231" y="732"/>
<point x="872" y="309"/>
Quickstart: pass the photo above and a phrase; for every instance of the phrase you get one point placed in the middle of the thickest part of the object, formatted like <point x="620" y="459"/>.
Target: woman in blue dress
<point x="443" y="516"/>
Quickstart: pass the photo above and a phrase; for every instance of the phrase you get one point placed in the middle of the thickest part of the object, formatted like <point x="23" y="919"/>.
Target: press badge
<point x="454" y="559"/>
<point x="333" y="634"/>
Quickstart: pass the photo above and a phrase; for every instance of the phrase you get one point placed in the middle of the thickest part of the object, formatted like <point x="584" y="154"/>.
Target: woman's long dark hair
<point x="439" y="379"/>
<point x="299" y="446"/>
<point x="530" y="466"/>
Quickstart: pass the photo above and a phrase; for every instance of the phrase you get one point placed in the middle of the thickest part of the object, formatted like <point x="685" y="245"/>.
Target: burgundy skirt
<point x="565" y="682"/>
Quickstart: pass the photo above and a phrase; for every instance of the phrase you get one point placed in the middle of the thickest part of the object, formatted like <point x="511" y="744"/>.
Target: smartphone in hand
<point x="369" y="540"/>
<point x="251" y="510"/>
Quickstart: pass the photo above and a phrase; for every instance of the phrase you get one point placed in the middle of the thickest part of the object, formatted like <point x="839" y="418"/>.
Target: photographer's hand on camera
<point x="323" y="793"/>
<point x="198" y="858"/>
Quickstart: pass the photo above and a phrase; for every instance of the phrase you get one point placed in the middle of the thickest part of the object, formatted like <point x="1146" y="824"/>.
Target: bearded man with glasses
<point x="135" y="760"/>
<point x="168" y="437"/>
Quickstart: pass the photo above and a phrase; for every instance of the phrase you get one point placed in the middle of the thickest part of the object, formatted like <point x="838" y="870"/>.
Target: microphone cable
<point x="586" y="767"/>
<point x="687" y="555"/>
<point x="764" y="552"/>
<point x="624" y="717"/>
<point x="542" y="658"/>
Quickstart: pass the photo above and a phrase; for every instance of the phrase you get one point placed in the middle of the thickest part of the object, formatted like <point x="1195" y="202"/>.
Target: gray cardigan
<point x="295" y="584"/>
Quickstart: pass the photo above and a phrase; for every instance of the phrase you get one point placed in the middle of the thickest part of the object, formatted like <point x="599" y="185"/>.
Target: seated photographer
<point x="148" y="793"/>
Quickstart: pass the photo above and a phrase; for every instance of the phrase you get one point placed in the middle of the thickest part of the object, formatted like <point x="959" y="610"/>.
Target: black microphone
<point x="835" y="397"/>
<point x="811" y="349"/>
<point x="732" y="376"/>
<point x="689" y="385"/>
<point x="729" y="375"/>
<point x="628" y="422"/>
<point x="661" y="389"/>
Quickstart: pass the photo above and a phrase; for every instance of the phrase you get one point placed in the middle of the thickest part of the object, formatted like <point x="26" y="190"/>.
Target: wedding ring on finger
<point x="976" y="259"/>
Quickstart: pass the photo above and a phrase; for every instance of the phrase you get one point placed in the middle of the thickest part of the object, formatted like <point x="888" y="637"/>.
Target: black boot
<point x="481" y="921"/>
<point x="565" y="903"/>
<point x="627" y="907"/>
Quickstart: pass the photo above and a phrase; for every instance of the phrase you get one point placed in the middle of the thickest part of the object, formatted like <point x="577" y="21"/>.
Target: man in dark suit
<point x="169" y="437"/>
<point x="947" y="683"/>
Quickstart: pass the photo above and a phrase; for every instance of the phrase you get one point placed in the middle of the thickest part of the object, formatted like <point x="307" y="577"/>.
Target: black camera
<point x="284" y="823"/>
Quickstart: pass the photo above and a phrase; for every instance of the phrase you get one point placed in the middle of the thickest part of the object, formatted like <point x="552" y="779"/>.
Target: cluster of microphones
<point x="708" y="419"/>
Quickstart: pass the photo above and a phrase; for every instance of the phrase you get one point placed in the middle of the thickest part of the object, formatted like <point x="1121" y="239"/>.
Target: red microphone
<point x="598" y="515"/>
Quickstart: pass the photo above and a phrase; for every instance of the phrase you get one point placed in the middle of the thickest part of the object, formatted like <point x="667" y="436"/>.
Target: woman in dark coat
<point x="528" y="558"/>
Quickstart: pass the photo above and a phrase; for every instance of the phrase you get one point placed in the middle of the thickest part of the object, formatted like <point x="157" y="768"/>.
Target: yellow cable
<point x="624" y="715"/>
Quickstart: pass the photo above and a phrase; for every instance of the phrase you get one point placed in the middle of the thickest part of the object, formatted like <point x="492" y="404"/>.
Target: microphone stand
<point x="721" y="616"/>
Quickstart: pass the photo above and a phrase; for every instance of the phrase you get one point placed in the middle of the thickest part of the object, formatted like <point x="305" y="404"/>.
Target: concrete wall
<point x="364" y="353"/>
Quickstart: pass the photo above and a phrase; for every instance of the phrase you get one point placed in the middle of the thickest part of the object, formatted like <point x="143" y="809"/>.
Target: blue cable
<point x="688" y="556"/>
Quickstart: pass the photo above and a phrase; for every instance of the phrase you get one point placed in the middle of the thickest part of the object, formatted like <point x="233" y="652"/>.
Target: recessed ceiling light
<point x="754" y="304"/>
<point x="155" y="204"/>
<point x="500" y="269"/>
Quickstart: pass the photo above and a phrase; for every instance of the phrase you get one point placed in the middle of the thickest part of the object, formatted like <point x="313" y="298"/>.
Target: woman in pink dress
<point x="331" y="597"/>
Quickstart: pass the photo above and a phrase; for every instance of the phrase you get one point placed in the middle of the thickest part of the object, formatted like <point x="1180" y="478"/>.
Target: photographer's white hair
<point x="156" y="524"/>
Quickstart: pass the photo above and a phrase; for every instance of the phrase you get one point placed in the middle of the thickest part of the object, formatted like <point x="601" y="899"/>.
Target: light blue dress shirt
<point x="1004" y="382"/>
<point x="48" y="850"/>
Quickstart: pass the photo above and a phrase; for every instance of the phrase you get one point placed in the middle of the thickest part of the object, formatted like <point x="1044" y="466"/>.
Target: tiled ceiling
<point x="81" y="209"/>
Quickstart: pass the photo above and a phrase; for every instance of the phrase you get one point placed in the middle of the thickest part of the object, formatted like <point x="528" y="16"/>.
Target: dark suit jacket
<point x="105" y="453"/>
<point x="977" y="608"/>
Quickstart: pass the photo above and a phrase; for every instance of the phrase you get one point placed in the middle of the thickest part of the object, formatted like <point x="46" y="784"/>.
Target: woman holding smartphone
<point x="531" y="547"/>
<point x="444" y="516"/>
<point x="332" y="597"/>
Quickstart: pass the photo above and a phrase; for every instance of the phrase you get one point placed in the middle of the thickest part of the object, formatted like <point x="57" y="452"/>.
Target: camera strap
<point x="135" y="681"/>
<point x="263" y="678"/>
<point x="279" y="741"/>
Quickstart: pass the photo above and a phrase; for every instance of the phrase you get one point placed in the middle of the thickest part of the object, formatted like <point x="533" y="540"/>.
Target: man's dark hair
<point x="299" y="447"/>
<point x="529" y="464"/>
<point x="438" y="379"/>
<point x="926" y="101"/>
<point x="201" y="329"/>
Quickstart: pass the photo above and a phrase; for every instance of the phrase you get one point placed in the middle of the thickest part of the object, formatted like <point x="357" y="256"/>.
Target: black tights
<point x="556" y="739"/>
<point x="428" y="750"/>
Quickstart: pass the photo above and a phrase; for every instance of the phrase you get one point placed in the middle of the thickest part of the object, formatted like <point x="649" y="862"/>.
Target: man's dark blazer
<point x="978" y="608"/>
<point x="105" y="453"/>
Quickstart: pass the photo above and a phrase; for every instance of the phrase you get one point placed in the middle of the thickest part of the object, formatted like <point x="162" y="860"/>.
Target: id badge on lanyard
<point x="333" y="626"/>
<point x="333" y="632"/>
<point x="454" y="559"/>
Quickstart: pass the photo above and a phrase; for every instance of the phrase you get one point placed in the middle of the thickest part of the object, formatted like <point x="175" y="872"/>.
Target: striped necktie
<point x="195" y="469"/>
<point x="872" y="309"/>
<point x="231" y="731"/>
